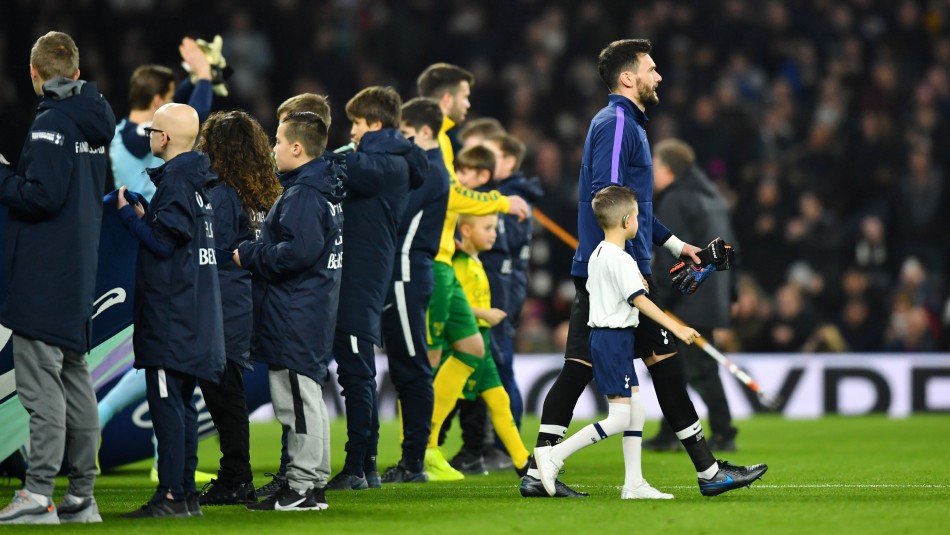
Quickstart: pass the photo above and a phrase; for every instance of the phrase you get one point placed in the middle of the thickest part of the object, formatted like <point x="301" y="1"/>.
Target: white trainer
<point x="643" y="492"/>
<point x="76" y="510"/>
<point x="26" y="508"/>
<point x="548" y="468"/>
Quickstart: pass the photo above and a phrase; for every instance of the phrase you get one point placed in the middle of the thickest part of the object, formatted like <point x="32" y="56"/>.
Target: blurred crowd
<point x="824" y="123"/>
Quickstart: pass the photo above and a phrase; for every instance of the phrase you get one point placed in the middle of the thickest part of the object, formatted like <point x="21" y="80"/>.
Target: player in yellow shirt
<point x="450" y="319"/>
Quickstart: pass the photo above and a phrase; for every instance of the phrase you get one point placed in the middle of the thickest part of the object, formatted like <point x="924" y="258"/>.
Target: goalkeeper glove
<point x="719" y="254"/>
<point x="687" y="278"/>
<point x="220" y="71"/>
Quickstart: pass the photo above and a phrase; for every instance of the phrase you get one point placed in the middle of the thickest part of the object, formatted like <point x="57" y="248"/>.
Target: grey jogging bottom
<point x="298" y="405"/>
<point x="55" y="388"/>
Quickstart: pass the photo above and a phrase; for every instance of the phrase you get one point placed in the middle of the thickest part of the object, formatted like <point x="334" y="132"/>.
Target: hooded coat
<point x="177" y="314"/>
<point x="54" y="211"/>
<point x="297" y="265"/>
<point x="379" y="176"/>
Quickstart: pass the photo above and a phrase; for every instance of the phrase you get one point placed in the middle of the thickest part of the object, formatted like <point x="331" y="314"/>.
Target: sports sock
<point x="632" y="442"/>
<point x="499" y="407"/>
<point x="617" y="420"/>
<point x="402" y="431"/>
<point x="447" y="387"/>
<point x="559" y="404"/>
<point x="670" y="387"/>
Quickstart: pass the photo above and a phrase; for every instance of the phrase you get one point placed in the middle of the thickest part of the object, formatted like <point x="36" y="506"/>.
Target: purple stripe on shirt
<point x="618" y="141"/>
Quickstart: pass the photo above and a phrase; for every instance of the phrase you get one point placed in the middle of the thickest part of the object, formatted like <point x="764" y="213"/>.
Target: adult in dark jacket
<point x="297" y="265"/>
<point x="54" y="203"/>
<point x="246" y="188"/>
<point x="688" y="201"/>
<point x="404" y="314"/>
<point x="179" y="336"/>
<point x="616" y="153"/>
<point x="379" y="176"/>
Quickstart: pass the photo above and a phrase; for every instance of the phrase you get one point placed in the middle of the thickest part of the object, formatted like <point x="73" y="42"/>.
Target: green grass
<point x="835" y="475"/>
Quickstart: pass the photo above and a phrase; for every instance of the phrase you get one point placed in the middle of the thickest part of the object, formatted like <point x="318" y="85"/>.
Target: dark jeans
<point x="228" y="407"/>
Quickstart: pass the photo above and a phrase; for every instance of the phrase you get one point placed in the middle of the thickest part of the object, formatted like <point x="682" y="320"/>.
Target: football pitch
<point x="834" y="475"/>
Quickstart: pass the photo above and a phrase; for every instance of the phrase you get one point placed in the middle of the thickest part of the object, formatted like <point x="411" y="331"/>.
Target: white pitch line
<point x="763" y="486"/>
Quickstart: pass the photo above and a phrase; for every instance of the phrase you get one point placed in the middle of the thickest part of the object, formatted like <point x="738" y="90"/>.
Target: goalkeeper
<point x="151" y="87"/>
<point x="688" y="201"/>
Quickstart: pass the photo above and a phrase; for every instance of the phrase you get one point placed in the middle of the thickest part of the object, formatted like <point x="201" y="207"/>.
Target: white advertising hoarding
<point x="811" y="385"/>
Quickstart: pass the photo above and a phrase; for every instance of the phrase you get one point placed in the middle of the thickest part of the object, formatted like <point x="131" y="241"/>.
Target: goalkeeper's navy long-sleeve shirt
<point x="617" y="153"/>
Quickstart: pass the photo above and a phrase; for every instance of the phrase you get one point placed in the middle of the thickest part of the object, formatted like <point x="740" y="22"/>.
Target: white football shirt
<point x="613" y="278"/>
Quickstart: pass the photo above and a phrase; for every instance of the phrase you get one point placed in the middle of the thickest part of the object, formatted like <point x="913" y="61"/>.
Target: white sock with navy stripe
<point x="618" y="419"/>
<point x="632" y="441"/>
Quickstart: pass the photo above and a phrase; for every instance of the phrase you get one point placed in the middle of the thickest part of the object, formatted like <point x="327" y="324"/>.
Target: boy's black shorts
<point x="651" y="338"/>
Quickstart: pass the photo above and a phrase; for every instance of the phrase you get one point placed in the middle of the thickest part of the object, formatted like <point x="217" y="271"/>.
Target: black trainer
<point x="288" y="499"/>
<point x="373" y="480"/>
<point x="271" y="488"/>
<point x="320" y="498"/>
<point x="193" y="505"/>
<point x="497" y="460"/>
<point x="662" y="443"/>
<point x="469" y="462"/>
<point x="347" y="481"/>
<point x="372" y="474"/>
<point x="402" y="474"/>
<point x="731" y="477"/>
<point x="218" y="492"/>
<point x="531" y="487"/>
<point x="161" y="508"/>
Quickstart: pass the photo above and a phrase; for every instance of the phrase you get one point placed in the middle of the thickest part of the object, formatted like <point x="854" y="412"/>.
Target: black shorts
<point x="651" y="338"/>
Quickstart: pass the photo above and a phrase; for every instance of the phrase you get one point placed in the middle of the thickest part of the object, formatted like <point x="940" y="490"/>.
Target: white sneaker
<point x="644" y="492"/>
<point x="76" y="510"/>
<point x="26" y="508"/>
<point x="548" y="468"/>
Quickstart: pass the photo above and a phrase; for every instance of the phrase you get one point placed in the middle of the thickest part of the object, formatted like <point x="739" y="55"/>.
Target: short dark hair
<point x="146" y="82"/>
<point x="423" y="111"/>
<point x="611" y="204"/>
<point x="483" y="126"/>
<point x="54" y="55"/>
<point x="376" y="103"/>
<point x="311" y="102"/>
<point x="308" y="129"/>
<point x="440" y="78"/>
<point x="676" y="154"/>
<point x="619" y="56"/>
<point x="510" y="146"/>
<point x="476" y="157"/>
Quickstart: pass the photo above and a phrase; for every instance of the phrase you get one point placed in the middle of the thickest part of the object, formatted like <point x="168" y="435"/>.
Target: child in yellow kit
<point x="478" y="234"/>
